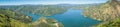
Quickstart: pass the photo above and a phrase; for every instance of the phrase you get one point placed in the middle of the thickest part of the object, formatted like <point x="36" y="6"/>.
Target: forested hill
<point x="10" y="18"/>
<point x="46" y="10"/>
<point x="108" y="12"/>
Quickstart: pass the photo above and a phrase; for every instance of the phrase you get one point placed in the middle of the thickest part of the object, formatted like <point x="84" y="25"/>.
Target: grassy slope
<point x="105" y="12"/>
<point x="108" y="12"/>
<point x="47" y="22"/>
<point x="10" y="19"/>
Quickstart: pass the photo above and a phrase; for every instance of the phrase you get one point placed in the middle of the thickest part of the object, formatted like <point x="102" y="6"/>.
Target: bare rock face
<point x="47" y="22"/>
<point x="107" y="11"/>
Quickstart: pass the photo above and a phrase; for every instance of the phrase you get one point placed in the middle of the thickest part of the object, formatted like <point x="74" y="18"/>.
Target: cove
<point x="71" y="18"/>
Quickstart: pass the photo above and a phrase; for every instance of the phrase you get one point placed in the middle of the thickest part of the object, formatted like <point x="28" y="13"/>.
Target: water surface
<point x="72" y="18"/>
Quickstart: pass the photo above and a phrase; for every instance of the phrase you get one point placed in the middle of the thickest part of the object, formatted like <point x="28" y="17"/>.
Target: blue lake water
<point x="71" y="18"/>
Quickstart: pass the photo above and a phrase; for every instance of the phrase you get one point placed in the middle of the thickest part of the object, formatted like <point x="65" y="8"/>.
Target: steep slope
<point x="15" y="15"/>
<point x="9" y="18"/>
<point x="108" y="12"/>
<point x="105" y="12"/>
<point x="47" y="22"/>
<point x="113" y="23"/>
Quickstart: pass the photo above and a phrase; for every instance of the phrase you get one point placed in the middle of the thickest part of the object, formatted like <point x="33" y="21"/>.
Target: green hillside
<point x="108" y="12"/>
<point x="12" y="19"/>
<point x="47" y="22"/>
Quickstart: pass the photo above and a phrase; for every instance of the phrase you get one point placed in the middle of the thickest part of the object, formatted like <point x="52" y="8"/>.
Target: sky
<point x="48" y="2"/>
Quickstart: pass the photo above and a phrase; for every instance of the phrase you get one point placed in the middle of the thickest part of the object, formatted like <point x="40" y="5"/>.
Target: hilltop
<point x="108" y="12"/>
<point x="104" y="12"/>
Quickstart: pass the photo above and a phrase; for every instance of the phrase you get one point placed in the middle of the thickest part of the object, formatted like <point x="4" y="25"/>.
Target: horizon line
<point x="44" y="4"/>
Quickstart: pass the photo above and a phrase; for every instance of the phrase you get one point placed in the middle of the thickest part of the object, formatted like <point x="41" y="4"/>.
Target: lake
<point x="71" y="18"/>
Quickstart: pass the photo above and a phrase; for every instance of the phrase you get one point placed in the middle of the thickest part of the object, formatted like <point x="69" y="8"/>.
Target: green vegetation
<point x="10" y="19"/>
<point x="4" y="20"/>
<point x="43" y="10"/>
<point x="47" y="22"/>
<point x="113" y="23"/>
<point x="15" y="15"/>
<point x="108" y="12"/>
<point x="105" y="12"/>
<point x="9" y="22"/>
<point x="49" y="10"/>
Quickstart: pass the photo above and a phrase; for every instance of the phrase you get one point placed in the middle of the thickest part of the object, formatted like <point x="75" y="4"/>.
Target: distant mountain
<point x="16" y="13"/>
<point x="40" y="9"/>
<point x="37" y="9"/>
